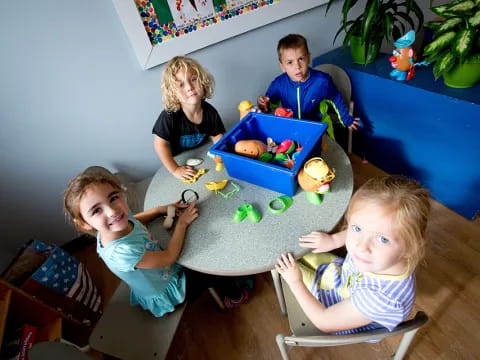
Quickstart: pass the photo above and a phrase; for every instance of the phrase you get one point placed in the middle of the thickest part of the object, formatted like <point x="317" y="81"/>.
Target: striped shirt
<point x="385" y="299"/>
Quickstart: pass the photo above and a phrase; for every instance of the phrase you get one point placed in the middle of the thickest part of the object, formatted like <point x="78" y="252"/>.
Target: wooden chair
<point x="342" y="83"/>
<point x="304" y="333"/>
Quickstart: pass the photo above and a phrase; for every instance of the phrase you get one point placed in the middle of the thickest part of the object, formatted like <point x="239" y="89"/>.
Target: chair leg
<point x="281" y="346"/>
<point x="278" y="290"/>
<point x="404" y="344"/>
<point x="349" y="146"/>
<point x="216" y="297"/>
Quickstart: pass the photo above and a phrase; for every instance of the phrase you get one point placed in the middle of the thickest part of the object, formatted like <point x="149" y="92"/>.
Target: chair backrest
<point x="340" y="79"/>
<point x="302" y="326"/>
<point x="306" y="334"/>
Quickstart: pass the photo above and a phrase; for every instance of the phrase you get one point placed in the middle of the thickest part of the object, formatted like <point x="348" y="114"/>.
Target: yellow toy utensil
<point x="216" y="186"/>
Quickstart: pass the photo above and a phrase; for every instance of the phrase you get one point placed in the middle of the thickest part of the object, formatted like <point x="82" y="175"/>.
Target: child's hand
<point x="179" y="206"/>
<point x="188" y="215"/>
<point x="184" y="172"/>
<point x="318" y="241"/>
<point x="287" y="267"/>
<point x="262" y="103"/>
<point x="357" y="123"/>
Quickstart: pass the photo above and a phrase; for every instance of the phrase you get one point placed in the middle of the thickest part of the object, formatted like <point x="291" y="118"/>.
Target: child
<point x="374" y="286"/>
<point x="187" y="119"/>
<point x="95" y="202"/>
<point x="301" y="88"/>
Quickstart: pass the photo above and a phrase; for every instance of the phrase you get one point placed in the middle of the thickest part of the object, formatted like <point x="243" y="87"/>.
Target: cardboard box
<point x="256" y="126"/>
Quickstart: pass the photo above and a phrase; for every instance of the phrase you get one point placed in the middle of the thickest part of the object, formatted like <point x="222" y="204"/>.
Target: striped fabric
<point x="63" y="282"/>
<point x="386" y="300"/>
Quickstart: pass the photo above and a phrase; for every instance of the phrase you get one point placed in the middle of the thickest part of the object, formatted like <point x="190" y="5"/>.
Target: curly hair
<point x="411" y="204"/>
<point x="169" y="80"/>
<point x="291" y="41"/>
<point x="79" y="184"/>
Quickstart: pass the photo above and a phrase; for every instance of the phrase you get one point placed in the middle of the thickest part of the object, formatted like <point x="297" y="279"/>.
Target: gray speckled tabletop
<point x="216" y="245"/>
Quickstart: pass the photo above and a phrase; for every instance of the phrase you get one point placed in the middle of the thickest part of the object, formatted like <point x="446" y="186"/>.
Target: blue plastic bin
<point x="256" y="126"/>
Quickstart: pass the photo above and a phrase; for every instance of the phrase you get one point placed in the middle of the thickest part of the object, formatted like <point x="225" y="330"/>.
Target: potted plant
<point x="455" y="49"/>
<point x="381" y="19"/>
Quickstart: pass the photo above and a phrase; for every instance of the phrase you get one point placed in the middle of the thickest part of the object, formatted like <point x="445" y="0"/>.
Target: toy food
<point x="315" y="176"/>
<point x="250" y="148"/>
<point x="281" y="111"/>
<point x="286" y="146"/>
<point x="244" y="108"/>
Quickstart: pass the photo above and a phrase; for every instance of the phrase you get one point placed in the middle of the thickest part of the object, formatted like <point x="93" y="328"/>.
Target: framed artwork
<point x="161" y="29"/>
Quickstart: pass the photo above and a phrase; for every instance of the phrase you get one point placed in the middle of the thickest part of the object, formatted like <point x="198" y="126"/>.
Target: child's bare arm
<point x="148" y="215"/>
<point x="323" y="242"/>
<point x="162" y="148"/>
<point x="153" y="259"/>
<point x="216" y="138"/>
<point x="341" y="316"/>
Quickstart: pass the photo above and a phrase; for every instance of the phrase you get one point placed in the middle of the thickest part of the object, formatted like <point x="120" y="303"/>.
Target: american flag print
<point x="66" y="276"/>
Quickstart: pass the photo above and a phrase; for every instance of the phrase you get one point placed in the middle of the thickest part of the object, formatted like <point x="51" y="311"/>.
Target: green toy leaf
<point x="443" y="64"/>
<point x="438" y="44"/>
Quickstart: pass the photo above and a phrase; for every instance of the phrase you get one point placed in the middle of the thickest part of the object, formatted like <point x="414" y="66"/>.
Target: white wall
<point x="73" y="95"/>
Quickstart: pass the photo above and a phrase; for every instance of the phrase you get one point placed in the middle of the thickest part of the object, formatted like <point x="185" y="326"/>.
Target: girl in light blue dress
<point x="95" y="201"/>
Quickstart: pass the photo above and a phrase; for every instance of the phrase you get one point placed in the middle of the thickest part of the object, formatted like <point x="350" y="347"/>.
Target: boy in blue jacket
<point x="301" y="88"/>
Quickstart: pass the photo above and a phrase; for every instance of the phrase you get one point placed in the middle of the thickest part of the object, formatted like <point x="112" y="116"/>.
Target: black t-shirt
<point x="182" y="134"/>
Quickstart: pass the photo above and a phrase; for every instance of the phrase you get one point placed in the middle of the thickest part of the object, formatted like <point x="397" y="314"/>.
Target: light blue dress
<point x="157" y="290"/>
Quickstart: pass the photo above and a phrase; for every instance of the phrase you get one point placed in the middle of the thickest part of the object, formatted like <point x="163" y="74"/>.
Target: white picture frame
<point x="149" y="55"/>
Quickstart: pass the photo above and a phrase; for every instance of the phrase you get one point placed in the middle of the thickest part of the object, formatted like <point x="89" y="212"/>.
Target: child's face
<point x="188" y="88"/>
<point x="295" y="63"/>
<point x="104" y="209"/>
<point x="371" y="240"/>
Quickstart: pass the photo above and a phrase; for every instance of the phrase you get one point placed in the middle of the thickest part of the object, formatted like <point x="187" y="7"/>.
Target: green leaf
<point x="434" y="48"/>
<point x="330" y="2"/>
<point x="347" y="5"/>
<point x="463" y="42"/>
<point x="388" y="27"/>
<point x="343" y="28"/>
<point x="475" y="19"/>
<point x="461" y="7"/>
<point x="440" y="10"/>
<point x="370" y="13"/>
<point x="433" y="24"/>
<point x="474" y="58"/>
<point x="443" y="64"/>
<point x="448" y="24"/>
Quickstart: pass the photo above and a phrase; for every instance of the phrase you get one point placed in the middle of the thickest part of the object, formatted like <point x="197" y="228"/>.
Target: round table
<point x="215" y="244"/>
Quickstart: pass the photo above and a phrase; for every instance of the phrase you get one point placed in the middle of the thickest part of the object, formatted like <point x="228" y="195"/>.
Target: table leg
<point x="278" y="290"/>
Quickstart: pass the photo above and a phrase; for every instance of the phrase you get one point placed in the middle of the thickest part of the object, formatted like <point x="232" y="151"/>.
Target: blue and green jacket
<point x="304" y="97"/>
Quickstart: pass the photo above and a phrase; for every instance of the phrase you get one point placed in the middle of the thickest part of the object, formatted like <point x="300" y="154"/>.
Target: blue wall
<point x="419" y="128"/>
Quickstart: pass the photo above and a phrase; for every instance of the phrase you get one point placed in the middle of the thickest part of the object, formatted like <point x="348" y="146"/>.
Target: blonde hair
<point x="169" y="80"/>
<point x="76" y="189"/>
<point x="411" y="205"/>
<point x="291" y="41"/>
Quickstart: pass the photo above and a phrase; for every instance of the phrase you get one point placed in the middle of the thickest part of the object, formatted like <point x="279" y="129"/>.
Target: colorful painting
<point x="168" y="19"/>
